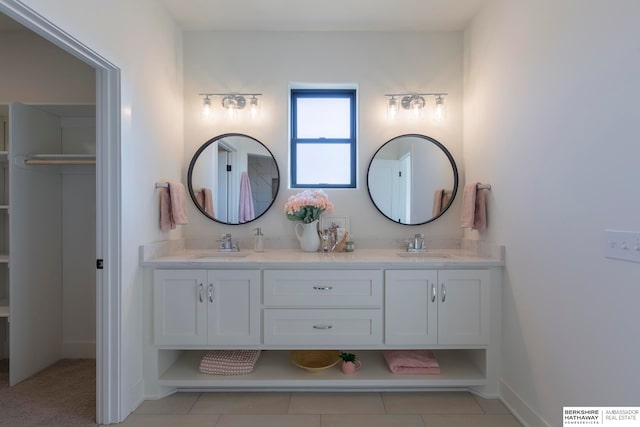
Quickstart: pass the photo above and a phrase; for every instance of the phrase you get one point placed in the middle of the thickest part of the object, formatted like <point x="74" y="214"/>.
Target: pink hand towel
<point x="173" y="206"/>
<point x="437" y="202"/>
<point x="245" y="211"/>
<point x="166" y="219"/>
<point x="412" y="362"/>
<point x="474" y="207"/>
<point x="207" y="196"/>
<point x="178" y="203"/>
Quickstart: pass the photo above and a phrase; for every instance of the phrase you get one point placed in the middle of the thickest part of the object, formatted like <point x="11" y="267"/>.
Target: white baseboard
<point x="79" y="350"/>
<point x="518" y="407"/>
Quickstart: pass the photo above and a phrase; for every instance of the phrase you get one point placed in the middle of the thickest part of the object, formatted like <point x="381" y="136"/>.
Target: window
<point x="323" y="138"/>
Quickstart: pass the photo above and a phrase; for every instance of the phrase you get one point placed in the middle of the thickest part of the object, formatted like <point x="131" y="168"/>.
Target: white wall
<point x="551" y="117"/>
<point x="141" y="39"/>
<point x="378" y="63"/>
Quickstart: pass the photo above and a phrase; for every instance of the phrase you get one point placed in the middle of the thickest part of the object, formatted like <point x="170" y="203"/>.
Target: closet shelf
<point x="57" y="159"/>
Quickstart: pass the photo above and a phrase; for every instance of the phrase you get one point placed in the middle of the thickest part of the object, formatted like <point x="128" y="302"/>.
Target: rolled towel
<point x="412" y="362"/>
<point x="229" y="362"/>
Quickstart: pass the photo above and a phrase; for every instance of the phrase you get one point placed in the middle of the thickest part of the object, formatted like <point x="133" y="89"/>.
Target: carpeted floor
<point x="62" y="395"/>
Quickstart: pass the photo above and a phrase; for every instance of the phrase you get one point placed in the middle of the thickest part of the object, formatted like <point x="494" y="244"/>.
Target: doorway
<point x="108" y="109"/>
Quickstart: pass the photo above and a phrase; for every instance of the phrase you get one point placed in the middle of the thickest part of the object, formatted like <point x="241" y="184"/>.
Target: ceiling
<point x="305" y="15"/>
<point x="324" y="15"/>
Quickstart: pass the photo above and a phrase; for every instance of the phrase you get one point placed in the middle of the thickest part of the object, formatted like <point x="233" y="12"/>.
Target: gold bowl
<point x="315" y="360"/>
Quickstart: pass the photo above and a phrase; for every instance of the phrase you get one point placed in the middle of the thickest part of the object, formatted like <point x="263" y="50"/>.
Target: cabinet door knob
<point x="210" y="292"/>
<point x="433" y="292"/>
<point x="322" y="326"/>
<point x="323" y="288"/>
<point x="443" y="290"/>
<point x="200" y="290"/>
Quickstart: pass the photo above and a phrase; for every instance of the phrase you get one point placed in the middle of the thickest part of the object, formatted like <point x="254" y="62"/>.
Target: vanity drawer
<point x="307" y="288"/>
<point x="322" y="327"/>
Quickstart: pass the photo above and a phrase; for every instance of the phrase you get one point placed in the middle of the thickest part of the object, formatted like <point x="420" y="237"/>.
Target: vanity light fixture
<point x="415" y="103"/>
<point x="206" y="108"/>
<point x="232" y="103"/>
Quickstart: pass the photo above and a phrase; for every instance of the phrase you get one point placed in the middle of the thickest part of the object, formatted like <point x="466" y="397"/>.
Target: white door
<point x="180" y="307"/>
<point x="234" y="307"/>
<point x="35" y="337"/>
<point x="463" y="307"/>
<point x="411" y="308"/>
<point x="387" y="185"/>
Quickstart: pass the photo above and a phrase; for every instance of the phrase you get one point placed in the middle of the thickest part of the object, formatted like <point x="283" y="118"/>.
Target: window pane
<point x="323" y="118"/>
<point x="323" y="164"/>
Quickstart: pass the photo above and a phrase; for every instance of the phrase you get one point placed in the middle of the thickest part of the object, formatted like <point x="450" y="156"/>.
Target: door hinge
<point x="99" y="264"/>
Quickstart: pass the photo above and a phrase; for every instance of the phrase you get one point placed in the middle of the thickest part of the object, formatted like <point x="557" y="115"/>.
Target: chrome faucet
<point x="228" y="245"/>
<point x="417" y="244"/>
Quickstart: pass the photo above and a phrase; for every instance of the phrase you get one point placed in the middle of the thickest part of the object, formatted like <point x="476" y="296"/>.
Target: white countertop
<point x="291" y="258"/>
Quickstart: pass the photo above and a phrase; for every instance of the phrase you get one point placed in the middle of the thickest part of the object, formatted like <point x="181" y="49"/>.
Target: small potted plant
<point x="349" y="363"/>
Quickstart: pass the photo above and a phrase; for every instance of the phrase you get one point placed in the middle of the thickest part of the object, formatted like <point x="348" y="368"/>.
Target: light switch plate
<point x="622" y="245"/>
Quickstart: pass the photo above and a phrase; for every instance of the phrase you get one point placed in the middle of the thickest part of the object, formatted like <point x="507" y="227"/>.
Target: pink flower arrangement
<point x="307" y="206"/>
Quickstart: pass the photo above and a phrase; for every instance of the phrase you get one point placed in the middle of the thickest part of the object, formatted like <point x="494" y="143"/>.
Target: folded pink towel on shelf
<point x="412" y="362"/>
<point x="229" y="362"/>
<point x="474" y="207"/>
<point x="173" y="206"/>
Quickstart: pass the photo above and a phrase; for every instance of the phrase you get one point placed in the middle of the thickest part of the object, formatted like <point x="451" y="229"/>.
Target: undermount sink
<point x="423" y="255"/>
<point x="222" y="255"/>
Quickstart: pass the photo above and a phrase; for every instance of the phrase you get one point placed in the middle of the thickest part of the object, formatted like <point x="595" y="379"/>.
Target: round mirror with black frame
<point x="412" y="179"/>
<point x="233" y="179"/>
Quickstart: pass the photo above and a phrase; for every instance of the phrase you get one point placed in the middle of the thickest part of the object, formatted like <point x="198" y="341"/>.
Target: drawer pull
<point x="444" y="292"/>
<point x="323" y="288"/>
<point x="201" y="288"/>
<point x="322" y="326"/>
<point x="433" y="292"/>
<point x="210" y="292"/>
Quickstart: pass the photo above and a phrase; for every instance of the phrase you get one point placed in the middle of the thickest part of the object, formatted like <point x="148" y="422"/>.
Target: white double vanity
<point x="364" y="302"/>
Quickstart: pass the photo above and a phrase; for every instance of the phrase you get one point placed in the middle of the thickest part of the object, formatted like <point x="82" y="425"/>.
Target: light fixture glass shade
<point x="230" y="105"/>
<point x="439" y="111"/>
<point x="253" y="107"/>
<point x="416" y="105"/>
<point x="392" y="108"/>
<point x="207" y="110"/>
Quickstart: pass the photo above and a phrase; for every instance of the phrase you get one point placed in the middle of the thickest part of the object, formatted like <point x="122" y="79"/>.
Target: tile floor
<point x="421" y="409"/>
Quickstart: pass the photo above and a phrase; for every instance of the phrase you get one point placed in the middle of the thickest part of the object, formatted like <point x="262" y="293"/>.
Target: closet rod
<point x="60" y="159"/>
<point x="59" y="162"/>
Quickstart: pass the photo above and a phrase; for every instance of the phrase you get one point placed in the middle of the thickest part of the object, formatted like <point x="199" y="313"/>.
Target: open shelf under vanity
<point x="274" y="370"/>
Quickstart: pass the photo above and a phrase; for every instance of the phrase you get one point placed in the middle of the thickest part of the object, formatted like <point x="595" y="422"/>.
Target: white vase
<point x="308" y="236"/>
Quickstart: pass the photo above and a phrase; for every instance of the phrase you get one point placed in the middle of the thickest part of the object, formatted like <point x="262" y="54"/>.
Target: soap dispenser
<point x="259" y="244"/>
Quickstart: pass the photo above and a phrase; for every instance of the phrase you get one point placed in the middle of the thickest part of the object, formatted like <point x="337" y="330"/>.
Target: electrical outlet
<point x="622" y="245"/>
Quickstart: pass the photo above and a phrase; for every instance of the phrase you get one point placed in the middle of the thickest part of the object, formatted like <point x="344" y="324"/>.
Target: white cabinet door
<point x="411" y="307"/>
<point x="463" y="307"/>
<point x="199" y="307"/>
<point x="233" y="298"/>
<point x="180" y="307"/>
